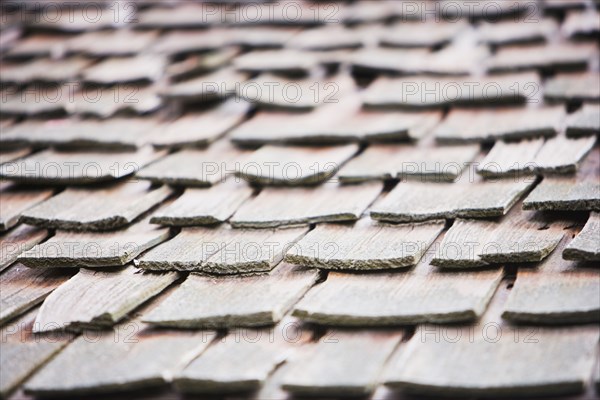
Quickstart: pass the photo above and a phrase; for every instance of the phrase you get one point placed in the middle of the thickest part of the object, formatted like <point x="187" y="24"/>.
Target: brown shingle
<point x="365" y="245"/>
<point x="204" y="206"/>
<point x="294" y="166"/>
<point x="14" y="200"/>
<point x="77" y="168"/>
<point x="328" y="202"/>
<point x="96" y="209"/>
<point x="16" y="241"/>
<point x="99" y="299"/>
<point x="98" y="249"/>
<point x="258" y="300"/>
<point x="23" y="288"/>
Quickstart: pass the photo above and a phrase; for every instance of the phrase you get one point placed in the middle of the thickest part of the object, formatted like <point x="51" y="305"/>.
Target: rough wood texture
<point x="278" y="165"/>
<point x="417" y="201"/>
<point x="125" y="69"/>
<point x="324" y="369"/>
<point x="198" y="168"/>
<point x="409" y="92"/>
<point x="518" y="237"/>
<point x="517" y="32"/>
<point x="418" y="34"/>
<point x="381" y="162"/>
<point x="243" y="360"/>
<point x="423" y="294"/>
<point x="204" y="206"/>
<point x="580" y="192"/>
<point x="44" y="70"/>
<point x="329" y="202"/>
<point x="222" y="250"/>
<point x="117" y="134"/>
<point x="133" y="98"/>
<point x="557" y="292"/>
<point x="24" y="288"/>
<point x="225" y="302"/>
<point x="51" y="167"/>
<point x="201" y="129"/>
<point x="578" y="87"/>
<point x="465" y="125"/>
<point x="102" y="249"/>
<point x="584" y="122"/>
<point x="96" y="209"/>
<point x="365" y="245"/>
<point x="287" y="61"/>
<point x="116" y="42"/>
<point x="478" y="360"/>
<point x="334" y="122"/>
<point x="120" y="360"/>
<point x="547" y="57"/>
<point x="22" y="353"/>
<point x="206" y="88"/>
<point x="562" y="154"/>
<point x="510" y="158"/>
<point x="585" y="246"/>
<point x="329" y="37"/>
<point x="99" y="299"/>
<point x="17" y="241"/>
<point x="14" y="200"/>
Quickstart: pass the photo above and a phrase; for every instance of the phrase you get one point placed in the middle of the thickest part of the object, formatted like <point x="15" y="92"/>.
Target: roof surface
<point x="265" y="200"/>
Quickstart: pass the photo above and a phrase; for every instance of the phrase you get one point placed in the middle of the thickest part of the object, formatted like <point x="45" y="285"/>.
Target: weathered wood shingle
<point x="18" y="240"/>
<point x="14" y="200"/>
<point x="585" y="246"/>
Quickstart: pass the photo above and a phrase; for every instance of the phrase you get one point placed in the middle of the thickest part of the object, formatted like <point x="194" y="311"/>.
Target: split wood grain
<point x="22" y="353"/>
<point x="243" y="360"/>
<point x="121" y="360"/>
<point x="342" y="364"/>
<point x="476" y="362"/>
<point x="204" y="206"/>
<point x="24" y="288"/>
<point x="59" y="168"/>
<point x="418" y="201"/>
<point x="381" y="162"/>
<point x="556" y="292"/>
<point x="278" y="165"/>
<point x="222" y="250"/>
<point x="94" y="249"/>
<point x="585" y="246"/>
<point x="200" y="129"/>
<point x="408" y="92"/>
<point x="14" y="200"/>
<point x="584" y="122"/>
<point x="98" y="209"/>
<point x="99" y="299"/>
<point x="116" y="134"/>
<point x="464" y="125"/>
<point x="195" y="168"/>
<point x="423" y="294"/>
<point x="365" y="245"/>
<point x="18" y="240"/>
<point x="328" y="202"/>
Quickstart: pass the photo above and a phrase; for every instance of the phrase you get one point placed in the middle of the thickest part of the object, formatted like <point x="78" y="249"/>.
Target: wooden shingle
<point x="517" y="32"/>
<point x="115" y="42"/>
<point x="97" y="209"/>
<point x="243" y="360"/>
<point x="548" y="57"/>
<point x="585" y="246"/>
<point x="577" y="87"/>
<point x="418" y="201"/>
<point x="464" y="125"/>
<point x="562" y="154"/>
<point x="421" y="295"/>
<point x="556" y="292"/>
<point x="14" y="200"/>
<point x="204" y="206"/>
<point x="44" y="70"/>
<point x="365" y="245"/>
<point x="421" y="34"/>
<point x="328" y="202"/>
<point x="525" y="362"/>
<point x="257" y="300"/>
<point x="584" y="122"/>
<point x="24" y="288"/>
<point x="430" y="163"/>
<point x="141" y="68"/>
<point x="99" y="299"/>
<point x="106" y="101"/>
<point x="324" y="369"/>
<point x="196" y="168"/>
<point x="18" y="240"/>
<point x="205" y="88"/>
<point x="279" y="165"/>
<point x="510" y="158"/>
<point x="222" y="250"/>
<point x="58" y="168"/>
<point x="94" y="249"/>
<point x="289" y="61"/>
